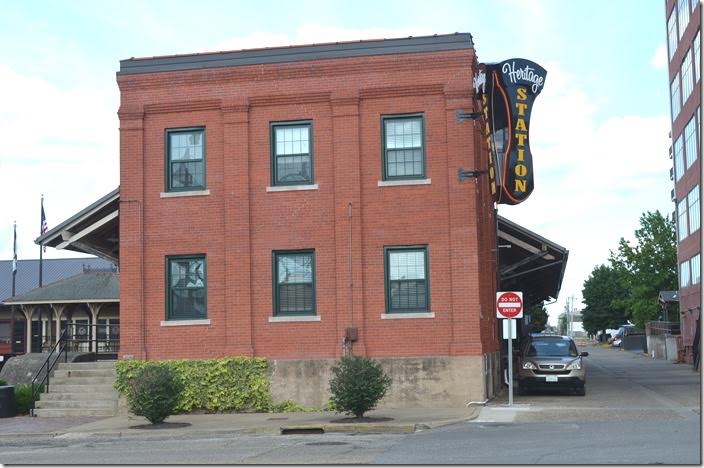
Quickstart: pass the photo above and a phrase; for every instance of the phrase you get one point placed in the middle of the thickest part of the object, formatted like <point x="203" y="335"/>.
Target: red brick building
<point x="684" y="53"/>
<point x="300" y="203"/>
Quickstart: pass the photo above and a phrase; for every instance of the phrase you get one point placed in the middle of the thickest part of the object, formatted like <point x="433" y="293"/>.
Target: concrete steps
<point x="80" y="389"/>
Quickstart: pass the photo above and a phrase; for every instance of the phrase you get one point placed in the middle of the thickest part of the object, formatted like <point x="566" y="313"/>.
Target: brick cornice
<point x="299" y="70"/>
<point x="183" y="106"/>
<point x="287" y="99"/>
<point x="400" y="91"/>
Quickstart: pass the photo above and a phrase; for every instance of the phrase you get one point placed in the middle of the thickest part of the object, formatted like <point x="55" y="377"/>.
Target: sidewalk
<point x="405" y="420"/>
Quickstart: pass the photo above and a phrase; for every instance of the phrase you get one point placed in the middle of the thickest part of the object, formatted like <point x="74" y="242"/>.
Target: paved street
<point x="636" y="410"/>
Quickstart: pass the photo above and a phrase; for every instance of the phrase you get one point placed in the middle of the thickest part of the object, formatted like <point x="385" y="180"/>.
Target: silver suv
<point x="551" y="361"/>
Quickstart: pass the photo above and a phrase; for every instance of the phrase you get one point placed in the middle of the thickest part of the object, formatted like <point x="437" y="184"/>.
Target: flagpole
<point x="41" y="231"/>
<point x="14" y="274"/>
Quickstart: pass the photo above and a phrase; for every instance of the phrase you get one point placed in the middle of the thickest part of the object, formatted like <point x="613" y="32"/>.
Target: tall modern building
<point x="684" y="58"/>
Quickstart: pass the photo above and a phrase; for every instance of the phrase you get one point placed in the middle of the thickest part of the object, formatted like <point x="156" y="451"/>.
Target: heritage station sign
<point x="507" y="90"/>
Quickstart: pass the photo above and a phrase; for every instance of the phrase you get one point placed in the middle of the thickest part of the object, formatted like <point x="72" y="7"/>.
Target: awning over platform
<point x="529" y="263"/>
<point x="94" y="230"/>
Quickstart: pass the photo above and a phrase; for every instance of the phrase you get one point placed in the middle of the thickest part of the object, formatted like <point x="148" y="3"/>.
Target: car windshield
<point x="552" y="348"/>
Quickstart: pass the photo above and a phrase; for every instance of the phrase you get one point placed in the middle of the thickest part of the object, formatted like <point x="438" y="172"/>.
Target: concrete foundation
<point x="433" y="382"/>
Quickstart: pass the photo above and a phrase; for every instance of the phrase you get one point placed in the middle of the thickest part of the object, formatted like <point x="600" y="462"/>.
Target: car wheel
<point x="581" y="391"/>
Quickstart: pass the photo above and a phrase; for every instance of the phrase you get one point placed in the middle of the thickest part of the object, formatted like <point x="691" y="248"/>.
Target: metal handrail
<point x="58" y="349"/>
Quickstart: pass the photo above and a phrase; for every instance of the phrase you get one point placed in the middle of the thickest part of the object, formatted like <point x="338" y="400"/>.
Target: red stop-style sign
<point x="509" y="304"/>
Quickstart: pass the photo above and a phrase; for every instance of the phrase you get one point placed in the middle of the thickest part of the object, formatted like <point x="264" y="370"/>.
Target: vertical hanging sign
<point x="507" y="90"/>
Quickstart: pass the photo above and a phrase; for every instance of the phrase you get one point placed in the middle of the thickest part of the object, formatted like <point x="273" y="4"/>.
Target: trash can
<point x="7" y="402"/>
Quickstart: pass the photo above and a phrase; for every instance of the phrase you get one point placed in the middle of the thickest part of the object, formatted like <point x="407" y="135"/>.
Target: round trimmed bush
<point x="357" y="385"/>
<point x="154" y="392"/>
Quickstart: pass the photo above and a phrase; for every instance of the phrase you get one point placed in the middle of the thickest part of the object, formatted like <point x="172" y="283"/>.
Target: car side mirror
<point x="584" y="354"/>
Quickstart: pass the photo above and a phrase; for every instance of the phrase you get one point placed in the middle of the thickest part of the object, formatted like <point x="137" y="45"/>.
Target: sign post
<point x="509" y="305"/>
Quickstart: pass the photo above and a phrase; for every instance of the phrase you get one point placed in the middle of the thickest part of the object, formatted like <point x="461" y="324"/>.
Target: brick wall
<point x="238" y="224"/>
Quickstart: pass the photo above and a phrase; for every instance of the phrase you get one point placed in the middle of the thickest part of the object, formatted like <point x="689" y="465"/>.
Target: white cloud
<point x="592" y="181"/>
<point x="57" y="142"/>
<point x="316" y="33"/>
<point x="659" y="58"/>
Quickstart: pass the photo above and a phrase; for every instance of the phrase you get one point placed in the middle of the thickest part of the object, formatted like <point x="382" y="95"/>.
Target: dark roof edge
<point x="437" y="42"/>
<point x="58" y="228"/>
<point x="532" y="234"/>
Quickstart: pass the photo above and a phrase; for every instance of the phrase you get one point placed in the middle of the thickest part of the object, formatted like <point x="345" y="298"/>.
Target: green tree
<point x="648" y="267"/>
<point x="538" y="318"/>
<point x="562" y="323"/>
<point x="603" y="295"/>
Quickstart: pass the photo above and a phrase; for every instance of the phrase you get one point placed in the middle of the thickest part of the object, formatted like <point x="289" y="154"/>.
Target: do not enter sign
<point x="509" y="304"/>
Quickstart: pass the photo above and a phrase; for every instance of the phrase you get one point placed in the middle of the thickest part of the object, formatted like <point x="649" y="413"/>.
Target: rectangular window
<point x="294" y="283"/>
<point x="672" y="33"/>
<point x="696" y="269"/>
<point x="292" y="153"/>
<point x="407" y="285"/>
<point x="679" y="159"/>
<point x="403" y="143"/>
<point x="683" y="10"/>
<point x="682" y="231"/>
<point x="687" y="78"/>
<point x="185" y="159"/>
<point x="696" y="51"/>
<point x="5" y="332"/>
<point x="690" y="141"/>
<point x="693" y="206"/>
<point x="186" y="297"/>
<point x="675" y="96"/>
<point x="684" y="274"/>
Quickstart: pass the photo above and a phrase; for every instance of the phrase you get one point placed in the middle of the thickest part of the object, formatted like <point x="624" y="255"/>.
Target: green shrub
<point x="357" y="385"/>
<point x="225" y="384"/>
<point x="287" y="406"/>
<point x="23" y="397"/>
<point x="154" y="392"/>
<point x="3" y="383"/>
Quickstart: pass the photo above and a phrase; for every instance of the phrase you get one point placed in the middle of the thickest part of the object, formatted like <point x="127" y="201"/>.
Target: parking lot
<point x="621" y="385"/>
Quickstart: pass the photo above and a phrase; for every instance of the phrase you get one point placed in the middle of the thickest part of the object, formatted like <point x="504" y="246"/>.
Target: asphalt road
<point x="636" y="411"/>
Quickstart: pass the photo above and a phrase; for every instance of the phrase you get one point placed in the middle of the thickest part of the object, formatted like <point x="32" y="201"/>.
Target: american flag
<point x="44" y="225"/>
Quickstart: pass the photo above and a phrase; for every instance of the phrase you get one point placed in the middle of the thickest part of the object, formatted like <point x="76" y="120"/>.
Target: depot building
<point x="304" y="203"/>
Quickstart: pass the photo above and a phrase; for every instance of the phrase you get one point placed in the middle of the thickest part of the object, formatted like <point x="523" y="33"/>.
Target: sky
<point x="599" y="130"/>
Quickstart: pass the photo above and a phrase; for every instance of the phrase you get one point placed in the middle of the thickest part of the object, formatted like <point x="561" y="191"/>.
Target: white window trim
<point x="291" y="188"/>
<point x="189" y="193"/>
<point x="181" y="323"/>
<point x="408" y="315"/>
<point x="294" y="318"/>
<point x="395" y="183"/>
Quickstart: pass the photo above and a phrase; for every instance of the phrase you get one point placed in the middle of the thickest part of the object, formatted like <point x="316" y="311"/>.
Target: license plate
<point x="551" y="378"/>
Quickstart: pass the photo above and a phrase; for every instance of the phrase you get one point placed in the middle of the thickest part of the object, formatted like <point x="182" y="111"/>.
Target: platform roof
<point x="532" y="263"/>
<point x="91" y="286"/>
<point x="94" y="230"/>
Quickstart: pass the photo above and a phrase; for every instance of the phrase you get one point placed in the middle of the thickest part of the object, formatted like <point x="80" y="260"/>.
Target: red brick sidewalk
<point x="29" y="425"/>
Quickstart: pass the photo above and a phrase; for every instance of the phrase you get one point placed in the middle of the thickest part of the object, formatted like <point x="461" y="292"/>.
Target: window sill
<point x="396" y="183"/>
<point x="291" y="188"/>
<point x="191" y="193"/>
<point x="409" y="315"/>
<point x="295" y="318"/>
<point x="179" y="323"/>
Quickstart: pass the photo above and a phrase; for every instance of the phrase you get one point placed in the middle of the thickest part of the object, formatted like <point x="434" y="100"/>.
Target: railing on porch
<point x="102" y="340"/>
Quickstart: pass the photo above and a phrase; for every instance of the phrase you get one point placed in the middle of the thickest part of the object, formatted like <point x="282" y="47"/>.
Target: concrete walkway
<point x="383" y="420"/>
